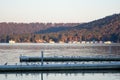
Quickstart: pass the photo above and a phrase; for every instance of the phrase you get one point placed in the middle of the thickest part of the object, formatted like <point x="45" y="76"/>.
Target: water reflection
<point x="62" y="75"/>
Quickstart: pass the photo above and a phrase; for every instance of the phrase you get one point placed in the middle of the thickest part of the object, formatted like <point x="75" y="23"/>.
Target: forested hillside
<point x="23" y="28"/>
<point x="104" y="29"/>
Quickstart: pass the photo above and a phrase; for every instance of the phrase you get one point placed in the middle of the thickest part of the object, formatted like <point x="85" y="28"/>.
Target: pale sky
<point x="56" y="10"/>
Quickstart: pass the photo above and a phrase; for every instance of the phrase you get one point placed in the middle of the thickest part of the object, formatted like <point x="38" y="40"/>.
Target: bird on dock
<point x="5" y="63"/>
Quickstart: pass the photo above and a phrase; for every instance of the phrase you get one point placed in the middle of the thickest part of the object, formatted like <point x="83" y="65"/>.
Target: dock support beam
<point x="41" y="58"/>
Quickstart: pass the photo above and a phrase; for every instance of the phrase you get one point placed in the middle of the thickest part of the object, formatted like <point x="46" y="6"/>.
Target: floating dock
<point x="63" y="59"/>
<point x="60" y="67"/>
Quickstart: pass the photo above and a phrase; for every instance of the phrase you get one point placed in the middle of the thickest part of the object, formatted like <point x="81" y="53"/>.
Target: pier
<point x="63" y="59"/>
<point x="60" y="67"/>
<point x="113" y="65"/>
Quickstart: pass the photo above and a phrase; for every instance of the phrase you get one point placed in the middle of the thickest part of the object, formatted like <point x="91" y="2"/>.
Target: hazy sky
<point x="56" y="10"/>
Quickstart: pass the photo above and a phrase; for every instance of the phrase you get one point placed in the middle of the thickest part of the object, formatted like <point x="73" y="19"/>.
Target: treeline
<point x="70" y="36"/>
<point x="28" y="28"/>
<point x="105" y="29"/>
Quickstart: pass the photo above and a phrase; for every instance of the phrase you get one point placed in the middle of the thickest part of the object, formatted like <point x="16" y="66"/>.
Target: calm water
<point x="10" y="53"/>
<point x="60" y="76"/>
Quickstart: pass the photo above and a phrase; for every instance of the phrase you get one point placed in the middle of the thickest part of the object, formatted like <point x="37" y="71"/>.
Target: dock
<point x="60" y="67"/>
<point x="41" y="66"/>
<point x="63" y="59"/>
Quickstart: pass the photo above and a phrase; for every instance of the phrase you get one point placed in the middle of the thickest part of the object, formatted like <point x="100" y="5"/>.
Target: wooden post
<point x="41" y="58"/>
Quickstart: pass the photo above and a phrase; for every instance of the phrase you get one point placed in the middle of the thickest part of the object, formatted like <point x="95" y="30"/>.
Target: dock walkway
<point x="60" y="67"/>
<point x="63" y="59"/>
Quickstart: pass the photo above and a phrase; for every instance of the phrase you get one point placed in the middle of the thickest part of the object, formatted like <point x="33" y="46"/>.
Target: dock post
<point x="41" y="58"/>
<point x="41" y="76"/>
<point x="110" y="49"/>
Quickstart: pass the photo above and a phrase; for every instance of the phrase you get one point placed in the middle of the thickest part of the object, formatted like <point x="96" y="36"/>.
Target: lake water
<point x="10" y="53"/>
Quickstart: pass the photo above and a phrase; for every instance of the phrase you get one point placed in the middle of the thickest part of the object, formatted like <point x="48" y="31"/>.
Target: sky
<point x="56" y="11"/>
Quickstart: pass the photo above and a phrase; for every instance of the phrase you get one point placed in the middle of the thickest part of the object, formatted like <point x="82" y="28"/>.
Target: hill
<point x="104" y="29"/>
<point x="23" y="28"/>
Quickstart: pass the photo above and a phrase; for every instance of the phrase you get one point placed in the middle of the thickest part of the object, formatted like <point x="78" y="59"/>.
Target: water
<point x="60" y="76"/>
<point x="10" y="53"/>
